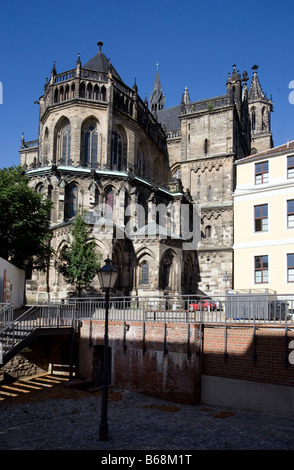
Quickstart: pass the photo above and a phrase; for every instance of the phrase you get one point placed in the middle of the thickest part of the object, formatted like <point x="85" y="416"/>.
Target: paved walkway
<point x="70" y="421"/>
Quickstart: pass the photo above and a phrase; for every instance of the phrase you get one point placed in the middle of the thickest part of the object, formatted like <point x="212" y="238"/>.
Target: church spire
<point x="255" y="90"/>
<point x="185" y="96"/>
<point x="157" y="98"/>
<point x="260" y="108"/>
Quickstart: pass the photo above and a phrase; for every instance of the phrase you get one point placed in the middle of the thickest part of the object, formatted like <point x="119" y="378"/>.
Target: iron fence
<point x="6" y="314"/>
<point x="244" y="308"/>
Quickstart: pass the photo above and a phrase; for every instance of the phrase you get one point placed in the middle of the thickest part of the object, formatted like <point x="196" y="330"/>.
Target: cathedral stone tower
<point x="157" y="98"/>
<point x="260" y="108"/>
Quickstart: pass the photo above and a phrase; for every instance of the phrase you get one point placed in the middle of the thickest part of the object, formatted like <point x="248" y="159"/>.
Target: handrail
<point x="38" y="316"/>
<point x="263" y="308"/>
<point x="6" y="313"/>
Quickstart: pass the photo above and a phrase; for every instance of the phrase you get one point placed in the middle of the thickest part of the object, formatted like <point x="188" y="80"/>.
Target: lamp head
<point x="107" y="275"/>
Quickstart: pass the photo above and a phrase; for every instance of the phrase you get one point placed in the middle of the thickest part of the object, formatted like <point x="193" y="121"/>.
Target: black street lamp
<point x="107" y="276"/>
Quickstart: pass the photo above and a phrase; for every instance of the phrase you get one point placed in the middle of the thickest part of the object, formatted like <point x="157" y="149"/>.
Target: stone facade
<point x="103" y="149"/>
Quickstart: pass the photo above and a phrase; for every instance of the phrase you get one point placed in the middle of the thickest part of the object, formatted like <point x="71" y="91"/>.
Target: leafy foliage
<point x="24" y="221"/>
<point x="79" y="262"/>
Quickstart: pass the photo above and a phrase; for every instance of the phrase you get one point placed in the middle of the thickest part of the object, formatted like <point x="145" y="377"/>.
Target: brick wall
<point x="261" y="359"/>
<point x="166" y="362"/>
<point x="158" y="363"/>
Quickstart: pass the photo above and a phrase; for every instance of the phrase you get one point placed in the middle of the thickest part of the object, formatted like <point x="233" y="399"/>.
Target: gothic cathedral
<point x="156" y="184"/>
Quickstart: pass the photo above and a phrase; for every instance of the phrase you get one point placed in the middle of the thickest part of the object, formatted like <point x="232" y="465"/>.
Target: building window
<point x="65" y="145"/>
<point x="261" y="269"/>
<point x="109" y="202"/>
<point x="40" y="188"/>
<point x="139" y="162"/>
<point x="261" y="173"/>
<point x="177" y="173"/>
<point x="253" y="120"/>
<point x="290" y="213"/>
<point x="208" y="231"/>
<point x="71" y="201"/>
<point x="290" y="267"/>
<point x="116" y="151"/>
<point x="261" y="218"/>
<point x="205" y="147"/>
<point x="91" y="146"/>
<point x="145" y="273"/>
<point x="290" y="167"/>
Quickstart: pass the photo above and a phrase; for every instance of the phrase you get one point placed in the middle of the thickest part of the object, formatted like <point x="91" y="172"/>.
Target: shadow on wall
<point x="183" y="363"/>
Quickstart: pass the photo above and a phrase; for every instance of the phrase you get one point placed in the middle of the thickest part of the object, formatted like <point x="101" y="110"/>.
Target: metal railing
<point x="265" y="309"/>
<point x="6" y="314"/>
<point x="261" y="308"/>
<point x="38" y="316"/>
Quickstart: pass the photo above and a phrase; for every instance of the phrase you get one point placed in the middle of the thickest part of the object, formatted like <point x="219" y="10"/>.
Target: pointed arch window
<point x="45" y="146"/>
<point x="65" y="145"/>
<point x="145" y="273"/>
<point x="90" y="143"/>
<point x="253" y="120"/>
<point x="116" y="150"/>
<point x="71" y="201"/>
<point x="109" y="203"/>
<point x="139" y="162"/>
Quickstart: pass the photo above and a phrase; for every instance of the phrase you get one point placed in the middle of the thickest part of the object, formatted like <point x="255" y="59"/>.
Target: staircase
<point x="39" y="319"/>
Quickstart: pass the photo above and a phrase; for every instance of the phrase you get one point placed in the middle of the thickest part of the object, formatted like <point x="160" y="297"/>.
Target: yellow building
<point x="264" y="221"/>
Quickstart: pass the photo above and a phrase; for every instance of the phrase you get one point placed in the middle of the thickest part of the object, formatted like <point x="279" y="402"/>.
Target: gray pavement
<point x="138" y="423"/>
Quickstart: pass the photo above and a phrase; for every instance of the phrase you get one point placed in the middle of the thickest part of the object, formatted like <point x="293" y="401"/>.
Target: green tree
<point x="24" y="221"/>
<point x="79" y="262"/>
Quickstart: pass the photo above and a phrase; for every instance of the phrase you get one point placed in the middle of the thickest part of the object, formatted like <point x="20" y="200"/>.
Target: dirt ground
<point x="40" y="388"/>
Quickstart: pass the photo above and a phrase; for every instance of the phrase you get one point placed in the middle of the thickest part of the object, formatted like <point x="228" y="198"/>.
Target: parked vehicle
<point x="204" y="304"/>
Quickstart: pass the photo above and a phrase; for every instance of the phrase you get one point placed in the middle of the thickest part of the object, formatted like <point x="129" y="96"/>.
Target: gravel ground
<point x="56" y="417"/>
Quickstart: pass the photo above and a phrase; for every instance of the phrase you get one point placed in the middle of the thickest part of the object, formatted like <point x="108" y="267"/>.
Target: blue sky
<point x="194" y="42"/>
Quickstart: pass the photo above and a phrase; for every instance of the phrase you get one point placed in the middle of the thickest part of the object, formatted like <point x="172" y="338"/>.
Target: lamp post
<point x="107" y="276"/>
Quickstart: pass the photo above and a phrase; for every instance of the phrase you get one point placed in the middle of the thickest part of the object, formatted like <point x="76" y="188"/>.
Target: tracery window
<point x="65" y="138"/>
<point x="71" y="201"/>
<point x="116" y="150"/>
<point x="90" y="145"/>
<point x="109" y="203"/>
<point x="145" y="273"/>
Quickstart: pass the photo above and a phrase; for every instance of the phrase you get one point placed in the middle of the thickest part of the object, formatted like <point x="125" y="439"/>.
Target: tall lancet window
<point x="116" y="151"/>
<point x="71" y="202"/>
<point x="65" y="145"/>
<point x="90" y="150"/>
<point x="253" y="120"/>
<point x="109" y="203"/>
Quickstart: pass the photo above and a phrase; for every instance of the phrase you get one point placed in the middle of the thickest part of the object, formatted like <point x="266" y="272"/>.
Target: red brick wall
<point x="269" y="353"/>
<point x="174" y="371"/>
<point x="167" y="373"/>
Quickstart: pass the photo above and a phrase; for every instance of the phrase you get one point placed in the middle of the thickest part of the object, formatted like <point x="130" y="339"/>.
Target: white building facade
<point x="264" y="221"/>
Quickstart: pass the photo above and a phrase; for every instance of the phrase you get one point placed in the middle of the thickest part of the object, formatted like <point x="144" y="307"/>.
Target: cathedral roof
<point x="100" y="63"/>
<point x="169" y="118"/>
